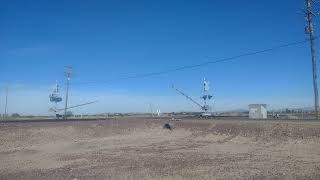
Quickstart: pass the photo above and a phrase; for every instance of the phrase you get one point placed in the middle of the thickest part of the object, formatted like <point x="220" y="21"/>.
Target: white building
<point x="257" y="111"/>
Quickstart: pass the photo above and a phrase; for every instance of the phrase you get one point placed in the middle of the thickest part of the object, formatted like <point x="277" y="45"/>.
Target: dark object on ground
<point x="167" y="126"/>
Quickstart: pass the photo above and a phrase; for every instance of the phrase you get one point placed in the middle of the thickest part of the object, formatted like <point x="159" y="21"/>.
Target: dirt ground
<point x="142" y="149"/>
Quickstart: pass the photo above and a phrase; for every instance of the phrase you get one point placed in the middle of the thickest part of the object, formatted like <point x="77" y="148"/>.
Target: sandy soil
<point x="142" y="149"/>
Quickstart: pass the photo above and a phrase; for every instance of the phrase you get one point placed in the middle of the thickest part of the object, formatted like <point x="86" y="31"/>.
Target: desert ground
<point x="133" y="148"/>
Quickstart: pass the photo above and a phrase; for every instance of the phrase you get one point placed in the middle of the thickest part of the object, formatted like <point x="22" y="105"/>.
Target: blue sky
<point x="106" y="40"/>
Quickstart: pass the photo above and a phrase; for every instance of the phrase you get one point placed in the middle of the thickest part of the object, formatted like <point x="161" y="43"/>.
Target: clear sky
<point x="106" y="40"/>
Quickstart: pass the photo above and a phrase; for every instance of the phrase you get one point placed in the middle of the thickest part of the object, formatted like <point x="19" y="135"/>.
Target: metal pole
<point x="313" y="55"/>
<point x="68" y="74"/>
<point x="151" y="109"/>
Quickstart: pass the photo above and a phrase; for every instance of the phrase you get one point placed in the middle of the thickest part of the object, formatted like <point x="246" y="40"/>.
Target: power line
<point x="232" y="58"/>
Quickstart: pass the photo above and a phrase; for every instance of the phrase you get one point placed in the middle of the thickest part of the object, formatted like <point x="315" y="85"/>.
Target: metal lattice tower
<point x="206" y="96"/>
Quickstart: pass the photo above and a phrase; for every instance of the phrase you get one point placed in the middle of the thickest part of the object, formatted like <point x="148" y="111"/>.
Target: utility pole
<point x="151" y="109"/>
<point x="68" y="73"/>
<point x="310" y="31"/>
<point x="6" y="104"/>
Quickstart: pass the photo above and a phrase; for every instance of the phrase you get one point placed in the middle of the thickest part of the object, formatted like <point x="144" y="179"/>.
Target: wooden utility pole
<point x="310" y="31"/>
<point x="68" y="73"/>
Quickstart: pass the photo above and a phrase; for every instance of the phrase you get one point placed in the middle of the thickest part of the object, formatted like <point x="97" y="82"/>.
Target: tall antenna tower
<point x="206" y="97"/>
<point x="68" y="73"/>
<point x="309" y="29"/>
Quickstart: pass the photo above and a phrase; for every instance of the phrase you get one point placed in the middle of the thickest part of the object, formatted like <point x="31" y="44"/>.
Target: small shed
<point x="257" y="111"/>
